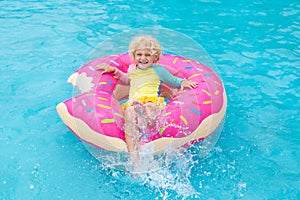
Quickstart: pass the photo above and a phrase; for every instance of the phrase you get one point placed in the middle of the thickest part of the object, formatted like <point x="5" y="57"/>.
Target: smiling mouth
<point x="144" y="62"/>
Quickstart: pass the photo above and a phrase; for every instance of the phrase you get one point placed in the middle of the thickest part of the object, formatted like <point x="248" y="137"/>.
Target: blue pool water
<point x="255" y="46"/>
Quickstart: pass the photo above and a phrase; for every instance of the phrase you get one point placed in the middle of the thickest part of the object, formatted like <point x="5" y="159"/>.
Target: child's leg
<point x="141" y="115"/>
<point x="131" y="129"/>
<point x="152" y="111"/>
<point x="132" y="134"/>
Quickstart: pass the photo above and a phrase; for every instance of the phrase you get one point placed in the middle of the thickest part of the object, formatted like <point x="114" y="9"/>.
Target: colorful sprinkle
<point x="217" y="92"/>
<point x="102" y="98"/>
<point x="183" y="119"/>
<point x="206" y="92"/>
<point x="196" y="111"/>
<point x="103" y="106"/>
<point x="175" y="60"/>
<point x="90" y="110"/>
<point x="194" y="75"/>
<point x="91" y="94"/>
<point x="102" y="92"/>
<point x="188" y="67"/>
<point x="186" y="60"/>
<point x="102" y="83"/>
<point x="162" y="130"/>
<point x="173" y="121"/>
<point x="109" y="82"/>
<point x="91" y="68"/>
<point x="178" y="102"/>
<point x="207" y="102"/>
<point x="208" y="74"/>
<point x="114" y="62"/>
<point x="216" y="82"/>
<point x="105" y="121"/>
<point x="144" y="134"/>
<point x="168" y="113"/>
<point x="199" y="69"/>
<point x="119" y="115"/>
<point x="83" y="102"/>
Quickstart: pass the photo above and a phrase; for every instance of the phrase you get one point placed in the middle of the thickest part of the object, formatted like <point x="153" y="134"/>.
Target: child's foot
<point x="138" y="107"/>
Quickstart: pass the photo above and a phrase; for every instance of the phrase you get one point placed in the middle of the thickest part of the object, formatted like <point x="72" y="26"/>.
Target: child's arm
<point x="174" y="81"/>
<point x="106" y="68"/>
<point x="110" y="69"/>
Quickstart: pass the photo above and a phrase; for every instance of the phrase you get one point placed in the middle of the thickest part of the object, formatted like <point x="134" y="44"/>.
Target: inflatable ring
<point x="95" y="114"/>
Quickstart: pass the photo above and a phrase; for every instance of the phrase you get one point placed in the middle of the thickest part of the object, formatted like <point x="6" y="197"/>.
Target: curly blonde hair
<point x="145" y="42"/>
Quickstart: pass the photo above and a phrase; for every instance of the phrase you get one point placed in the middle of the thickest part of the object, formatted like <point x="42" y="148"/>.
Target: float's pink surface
<point x="98" y="108"/>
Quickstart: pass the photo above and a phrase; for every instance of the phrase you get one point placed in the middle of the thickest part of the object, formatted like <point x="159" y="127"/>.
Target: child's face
<point x="143" y="58"/>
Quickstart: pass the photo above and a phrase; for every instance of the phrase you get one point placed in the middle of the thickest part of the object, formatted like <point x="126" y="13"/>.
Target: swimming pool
<point x="255" y="46"/>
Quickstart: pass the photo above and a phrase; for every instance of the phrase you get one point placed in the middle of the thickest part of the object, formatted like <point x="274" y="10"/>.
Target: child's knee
<point x="151" y="108"/>
<point x="129" y="112"/>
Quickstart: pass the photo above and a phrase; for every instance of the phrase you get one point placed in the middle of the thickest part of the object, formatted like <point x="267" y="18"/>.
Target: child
<point x="144" y="77"/>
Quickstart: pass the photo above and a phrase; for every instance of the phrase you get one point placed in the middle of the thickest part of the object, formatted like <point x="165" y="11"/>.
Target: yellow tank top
<point x="143" y="82"/>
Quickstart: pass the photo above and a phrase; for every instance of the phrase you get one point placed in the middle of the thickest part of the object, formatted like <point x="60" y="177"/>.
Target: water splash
<point x="175" y="176"/>
<point x="168" y="173"/>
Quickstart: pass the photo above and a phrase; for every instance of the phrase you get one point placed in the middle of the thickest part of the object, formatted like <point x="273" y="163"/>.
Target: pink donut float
<point x="191" y="115"/>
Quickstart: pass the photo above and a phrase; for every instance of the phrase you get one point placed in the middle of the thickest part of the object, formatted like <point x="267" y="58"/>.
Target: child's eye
<point x="139" y="54"/>
<point x="147" y="55"/>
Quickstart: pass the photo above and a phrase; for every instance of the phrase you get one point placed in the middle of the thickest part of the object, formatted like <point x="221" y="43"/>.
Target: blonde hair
<point x="145" y="42"/>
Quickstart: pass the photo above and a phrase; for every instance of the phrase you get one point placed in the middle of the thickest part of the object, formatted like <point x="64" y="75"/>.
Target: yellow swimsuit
<point x="145" y="84"/>
<point x="144" y="87"/>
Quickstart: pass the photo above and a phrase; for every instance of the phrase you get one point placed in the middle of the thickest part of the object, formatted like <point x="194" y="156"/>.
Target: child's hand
<point x="189" y="84"/>
<point x="107" y="68"/>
